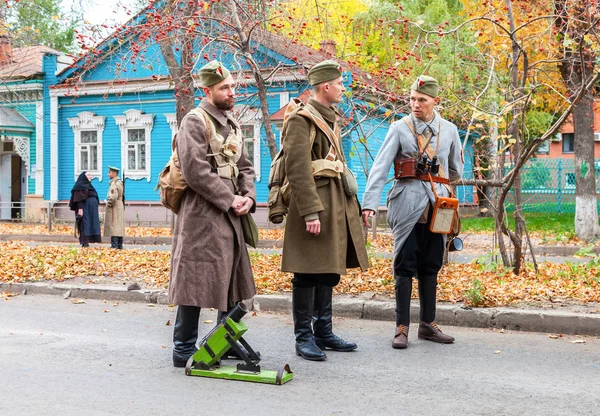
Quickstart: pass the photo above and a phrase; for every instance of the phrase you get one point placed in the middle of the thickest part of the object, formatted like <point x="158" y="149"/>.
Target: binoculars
<point x="425" y="165"/>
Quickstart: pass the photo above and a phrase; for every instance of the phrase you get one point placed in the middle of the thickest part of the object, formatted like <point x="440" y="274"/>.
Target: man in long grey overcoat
<point x="114" y="216"/>
<point x="323" y="232"/>
<point x="210" y="266"/>
<point x="418" y="252"/>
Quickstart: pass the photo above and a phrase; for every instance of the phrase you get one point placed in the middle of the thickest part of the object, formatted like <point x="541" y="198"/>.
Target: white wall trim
<point x="54" y="148"/>
<point x="135" y="119"/>
<point x="87" y="121"/>
<point x="39" y="148"/>
<point x="38" y="86"/>
<point x="151" y="86"/>
<point x="284" y="98"/>
<point x="254" y="117"/>
<point x="172" y="121"/>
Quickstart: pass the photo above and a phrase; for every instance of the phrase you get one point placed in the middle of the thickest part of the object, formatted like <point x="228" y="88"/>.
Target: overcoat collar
<point x="420" y="125"/>
<point x="216" y="113"/>
<point x="328" y="113"/>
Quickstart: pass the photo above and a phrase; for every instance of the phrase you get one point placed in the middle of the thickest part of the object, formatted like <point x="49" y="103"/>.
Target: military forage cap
<point x="324" y="71"/>
<point x="114" y="168"/>
<point x="213" y="73"/>
<point x="426" y="85"/>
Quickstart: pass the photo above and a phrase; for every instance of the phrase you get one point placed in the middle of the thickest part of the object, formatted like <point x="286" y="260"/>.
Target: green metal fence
<point x="548" y="186"/>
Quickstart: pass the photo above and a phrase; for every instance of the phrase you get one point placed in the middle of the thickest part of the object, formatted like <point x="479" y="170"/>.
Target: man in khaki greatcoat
<point x="323" y="232"/>
<point x="114" y="217"/>
<point x="210" y="266"/>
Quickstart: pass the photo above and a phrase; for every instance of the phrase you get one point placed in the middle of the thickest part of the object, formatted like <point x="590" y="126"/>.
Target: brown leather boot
<point x="432" y="332"/>
<point x="400" y="340"/>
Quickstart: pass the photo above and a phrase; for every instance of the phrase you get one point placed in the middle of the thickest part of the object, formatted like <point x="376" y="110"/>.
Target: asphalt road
<point x="97" y="358"/>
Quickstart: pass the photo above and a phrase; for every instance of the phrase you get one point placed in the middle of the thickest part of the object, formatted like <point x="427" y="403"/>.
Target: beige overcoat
<point x="210" y="266"/>
<point x="114" y="217"/>
<point x="340" y="244"/>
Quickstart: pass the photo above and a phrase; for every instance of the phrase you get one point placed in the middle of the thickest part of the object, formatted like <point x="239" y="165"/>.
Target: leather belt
<point x="437" y="179"/>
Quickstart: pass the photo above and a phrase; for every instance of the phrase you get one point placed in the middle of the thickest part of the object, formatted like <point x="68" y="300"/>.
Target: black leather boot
<point x="114" y="242"/>
<point x="403" y="290"/>
<point x="323" y="325"/>
<point x="185" y="334"/>
<point x="302" y="307"/>
<point x="120" y="243"/>
<point x="427" y="297"/>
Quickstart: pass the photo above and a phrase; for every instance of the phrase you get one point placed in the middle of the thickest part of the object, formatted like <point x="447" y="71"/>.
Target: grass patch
<point x="545" y="224"/>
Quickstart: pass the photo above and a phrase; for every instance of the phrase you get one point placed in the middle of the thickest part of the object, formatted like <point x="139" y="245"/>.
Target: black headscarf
<point x="82" y="190"/>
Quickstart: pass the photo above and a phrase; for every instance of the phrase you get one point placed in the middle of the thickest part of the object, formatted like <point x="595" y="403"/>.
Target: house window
<point x="568" y="142"/>
<point x="87" y="131"/>
<point x="569" y="180"/>
<point x="248" y="135"/>
<point x="136" y="128"/>
<point x="136" y="150"/>
<point x="250" y="123"/>
<point x="544" y="148"/>
<point x="88" y="151"/>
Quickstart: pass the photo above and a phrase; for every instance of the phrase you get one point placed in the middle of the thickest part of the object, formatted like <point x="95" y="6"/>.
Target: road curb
<point x="361" y="307"/>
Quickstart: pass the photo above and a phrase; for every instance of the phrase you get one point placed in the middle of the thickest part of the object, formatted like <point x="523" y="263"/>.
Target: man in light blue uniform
<point x="418" y="252"/>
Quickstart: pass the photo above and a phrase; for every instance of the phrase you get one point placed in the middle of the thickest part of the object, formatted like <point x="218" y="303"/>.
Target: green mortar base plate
<point x="282" y="376"/>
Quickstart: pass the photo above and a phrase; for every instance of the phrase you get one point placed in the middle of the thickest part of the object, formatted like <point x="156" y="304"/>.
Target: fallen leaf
<point x="208" y="322"/>
<point x="554" y="336"/>
<point x="497" y="352"/>
<point x="254" y="314"/>
<point x="502" y="331"/>
<point x="105" y="311"/>
<point x="578" y="341"/>
<point x="151" y="305"/>
<point x="168" y="323"/>
<point x="77" y="301"/>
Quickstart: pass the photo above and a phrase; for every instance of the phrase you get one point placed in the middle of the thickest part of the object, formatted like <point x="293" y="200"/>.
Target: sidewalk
<point x="365" y="306"/>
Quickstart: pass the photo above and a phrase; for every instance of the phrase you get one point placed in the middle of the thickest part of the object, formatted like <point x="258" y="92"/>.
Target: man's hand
<point x="366" y="215"/>
<point x="238" y="202"/>
<point x="245" y="207"/>
<point x="313" y="227"/>
<point x="80" y="212"/>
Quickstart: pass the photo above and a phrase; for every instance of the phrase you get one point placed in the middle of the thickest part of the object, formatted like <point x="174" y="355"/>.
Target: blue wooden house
<point x="121" y="112"/>
<point x="24" y="89"/>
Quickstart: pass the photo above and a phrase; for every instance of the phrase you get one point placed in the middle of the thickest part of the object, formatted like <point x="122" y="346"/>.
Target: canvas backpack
<point x="171" y="184"/>
<point x="332" y="166"/>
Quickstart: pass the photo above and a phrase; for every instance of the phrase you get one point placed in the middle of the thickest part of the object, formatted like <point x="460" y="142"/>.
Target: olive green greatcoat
<point x="340" y="244"/>
<point x="114" y="217"/>
<point x="210" y="266"/>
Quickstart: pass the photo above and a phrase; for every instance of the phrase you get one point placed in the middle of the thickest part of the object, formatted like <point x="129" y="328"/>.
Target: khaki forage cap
<point x="324" y="71"/>
<point x="426" y="85"/>
<point x="212" y="73"/>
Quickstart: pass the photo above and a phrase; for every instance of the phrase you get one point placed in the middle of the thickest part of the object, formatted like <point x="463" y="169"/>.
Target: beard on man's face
<point x="224" y="105"/>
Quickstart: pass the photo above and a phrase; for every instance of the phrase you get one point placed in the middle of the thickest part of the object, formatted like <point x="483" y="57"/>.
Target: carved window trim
<point x="87" y="121"/>
<point x="133" y="120"/>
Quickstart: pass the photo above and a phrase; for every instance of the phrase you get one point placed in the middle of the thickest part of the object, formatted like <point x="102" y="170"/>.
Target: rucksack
<point x="171" y="184"/>
<point x="333" y="165"/>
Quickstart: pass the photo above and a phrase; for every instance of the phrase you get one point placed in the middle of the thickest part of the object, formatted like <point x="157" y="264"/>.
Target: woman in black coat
<point x="84" y="201"/>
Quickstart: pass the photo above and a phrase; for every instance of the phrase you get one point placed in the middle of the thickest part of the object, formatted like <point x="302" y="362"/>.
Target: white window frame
<point x="251" y="116"/>
<point x="87" y="121"/>
<point x="134" y="120"/>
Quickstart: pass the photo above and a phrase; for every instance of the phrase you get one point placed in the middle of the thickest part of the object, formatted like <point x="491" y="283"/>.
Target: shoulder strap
<point x="208" y="124"/>
<point x="423" y="144"/>
<point x="332" y="135"/>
